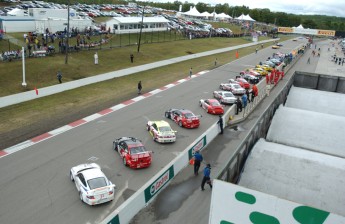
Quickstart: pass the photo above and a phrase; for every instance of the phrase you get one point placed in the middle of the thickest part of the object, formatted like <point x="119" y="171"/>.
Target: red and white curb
<point x="92" y="117"/>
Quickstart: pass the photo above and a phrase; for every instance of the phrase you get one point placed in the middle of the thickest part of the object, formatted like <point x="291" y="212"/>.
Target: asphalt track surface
<point x="35" y="184"/>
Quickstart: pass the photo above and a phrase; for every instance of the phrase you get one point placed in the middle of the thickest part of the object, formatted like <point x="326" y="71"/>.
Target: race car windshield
<point x="97" y="182"/>
<point x="215" y="103"/>
<point x="137" y="150"/>
<point x="164" y="129"/>
<point x="228" y="95"/>
<point x="237" y="86"/>
<point x="188" y="115"/>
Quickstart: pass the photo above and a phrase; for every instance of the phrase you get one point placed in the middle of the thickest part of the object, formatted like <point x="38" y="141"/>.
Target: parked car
<point x="241" y="81"/>
<point x="161" y="131"/>
<point x="251" y="78"/>
<point x="224" y="97"/>
<point x="92" y="184"/>
<point x="265" y="67"/>
<point x="235" y="88"/>
<point x="184" y="118"/>
<point x="132" y="152"/>
<point x="212" y="106"/>
<point x="250" y="72"/>
<point x="275" y="47"/>
<point x="262" y="71"/>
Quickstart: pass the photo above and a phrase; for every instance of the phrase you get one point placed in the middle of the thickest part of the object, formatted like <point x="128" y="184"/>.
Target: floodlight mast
<point x="67" y="44"/>
<point x="141" y="27"/>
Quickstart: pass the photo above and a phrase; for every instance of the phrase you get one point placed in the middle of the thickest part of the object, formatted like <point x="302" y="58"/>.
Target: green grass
<point x="59" y="109"/>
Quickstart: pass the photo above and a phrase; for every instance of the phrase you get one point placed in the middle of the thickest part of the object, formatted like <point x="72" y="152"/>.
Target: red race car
<point x="132" y="152"/>
<point x="212" y="106"/>
<point x="243" y="83"/>
<point x="184" y="118"/>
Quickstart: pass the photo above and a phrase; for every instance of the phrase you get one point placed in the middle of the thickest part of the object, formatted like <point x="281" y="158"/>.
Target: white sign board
<point x="233" y="204"/>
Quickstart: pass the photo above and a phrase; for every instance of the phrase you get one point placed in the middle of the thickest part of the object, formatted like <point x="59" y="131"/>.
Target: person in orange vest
<point x="254" y="92"/>
<point x="282" y="74"/>
<point x="267" y="79"/>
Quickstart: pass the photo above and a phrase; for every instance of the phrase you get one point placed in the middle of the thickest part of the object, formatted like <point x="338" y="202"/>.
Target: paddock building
<point x="121" y="25"/>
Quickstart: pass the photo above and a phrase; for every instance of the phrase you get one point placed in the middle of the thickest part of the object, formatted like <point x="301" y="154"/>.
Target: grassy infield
<point x="41" y="72"/>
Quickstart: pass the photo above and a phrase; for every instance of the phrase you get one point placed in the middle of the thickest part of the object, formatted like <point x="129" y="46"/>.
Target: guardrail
<point x="156" y="184"/>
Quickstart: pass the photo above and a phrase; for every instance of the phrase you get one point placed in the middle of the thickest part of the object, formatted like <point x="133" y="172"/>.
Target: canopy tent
<point x="245" y="17"/>
<point x="300" y="27"/>
<point x="16" y="12"/>
<point x="193" y="12"/>
<point x="206" y="14"/>
<point x="223" y="16"/>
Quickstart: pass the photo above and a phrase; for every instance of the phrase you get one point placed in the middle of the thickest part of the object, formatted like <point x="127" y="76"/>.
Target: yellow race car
<point x="265" y="67"/>
<point x="275" y="47"/>
<point x="261" y="71"/>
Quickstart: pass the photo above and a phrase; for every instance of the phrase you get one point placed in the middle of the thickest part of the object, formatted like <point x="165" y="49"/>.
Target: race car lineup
<point x="94" y="187"/>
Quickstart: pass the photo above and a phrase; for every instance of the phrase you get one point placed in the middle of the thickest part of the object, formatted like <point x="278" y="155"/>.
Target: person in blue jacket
<point x="244" y="100"/>
<point x="206" y="179"/>
<point x="197" y="161"/>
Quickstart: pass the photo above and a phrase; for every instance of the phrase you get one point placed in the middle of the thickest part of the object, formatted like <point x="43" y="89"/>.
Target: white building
<point x="132" y="24"/>
<point x="43" y="13"/>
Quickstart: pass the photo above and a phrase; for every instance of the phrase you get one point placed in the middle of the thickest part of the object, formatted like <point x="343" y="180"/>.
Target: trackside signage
<point x="198" y="146"/>
<point x="157" y="185"/>
<point x="114" y="220"/>
<point x="233" y="204"/>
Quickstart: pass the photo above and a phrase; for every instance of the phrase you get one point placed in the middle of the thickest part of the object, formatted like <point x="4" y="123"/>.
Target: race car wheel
<point x="180" y="123"/>
<point x="71" y="176"/>
<point x="147" y="128"/>
<point x="81" y="196"/>
<point x="124" y="161"/>
<point x="200" y="104"/>
<point x="167" y="115"/>
<point x="154" y="139"/>
<point x="115" y="146"/>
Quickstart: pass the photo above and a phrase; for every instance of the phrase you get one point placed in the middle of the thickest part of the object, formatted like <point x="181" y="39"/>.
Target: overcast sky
<point x="319" y="7"/>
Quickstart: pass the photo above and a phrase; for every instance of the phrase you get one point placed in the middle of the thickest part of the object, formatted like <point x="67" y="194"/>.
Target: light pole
<point x="66" y="44"/>
<point x="141" y="28"/>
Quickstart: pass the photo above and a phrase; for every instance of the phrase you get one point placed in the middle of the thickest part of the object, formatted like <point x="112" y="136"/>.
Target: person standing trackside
<point x="220" y="123"/>
<point x="262" y="46"/>
<point x="206" y="179"/>
<point x="238" y="105"/>
<point x="197" y="161"/>
<point x="139" y="87"/>
<point x="308" y="62"/>
<point x="132" y="57"/>
<point x="59" y="76"/>
<point x="215" y="62"/>
<point x="95" y="56"/>
<point x="190" y="72"/>
<point x="256" y="50"/>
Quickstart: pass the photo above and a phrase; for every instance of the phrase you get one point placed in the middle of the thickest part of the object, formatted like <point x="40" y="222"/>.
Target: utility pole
<point x="67" y="44"/>
<point x="141" y="27"/>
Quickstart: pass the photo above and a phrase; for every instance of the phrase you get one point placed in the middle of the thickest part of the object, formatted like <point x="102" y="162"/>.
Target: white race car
<point x="161" y="131"/>
<point x="224" y="97"/>
<point x="235" y="88"/>
<point x="93" y="186"/>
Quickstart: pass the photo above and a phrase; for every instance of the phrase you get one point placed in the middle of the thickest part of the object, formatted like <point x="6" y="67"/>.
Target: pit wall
<point x="146" y="194"/>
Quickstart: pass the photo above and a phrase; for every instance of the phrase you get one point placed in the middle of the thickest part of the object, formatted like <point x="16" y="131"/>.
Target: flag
<point x="236" y="54"/>
<point x="36" y="90"/>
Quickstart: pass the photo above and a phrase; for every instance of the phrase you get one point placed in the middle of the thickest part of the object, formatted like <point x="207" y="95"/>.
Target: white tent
<point x="193" y="12"/>
<point x="300" y="27"/>
<point x="16" y="12"/>
<point x="245" y="17"/>
<point x="223" y="16"/>
<point x="206" y="14"/>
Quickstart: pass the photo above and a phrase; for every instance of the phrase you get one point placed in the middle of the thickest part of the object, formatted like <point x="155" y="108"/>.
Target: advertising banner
<point x="233" y="204"/>
<point x="157" y="185"/>
<point x="198" y="146"/>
